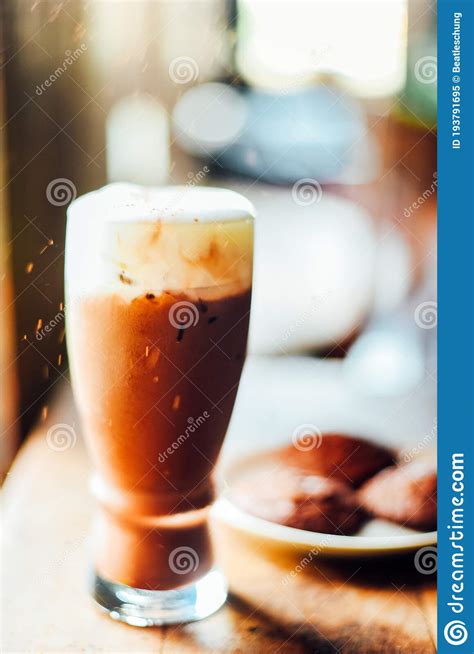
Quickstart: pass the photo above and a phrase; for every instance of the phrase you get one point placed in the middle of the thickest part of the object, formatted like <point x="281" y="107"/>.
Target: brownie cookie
<point x="403" y="494"/>
<point x="305" y="502"/>
<point x="345" y="458"/>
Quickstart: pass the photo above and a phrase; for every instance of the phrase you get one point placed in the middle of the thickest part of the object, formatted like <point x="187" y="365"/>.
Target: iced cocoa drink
<point x="158" y="301"/>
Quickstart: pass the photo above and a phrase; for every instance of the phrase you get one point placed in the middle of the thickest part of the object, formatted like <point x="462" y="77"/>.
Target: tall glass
<point x="158" y="288"/>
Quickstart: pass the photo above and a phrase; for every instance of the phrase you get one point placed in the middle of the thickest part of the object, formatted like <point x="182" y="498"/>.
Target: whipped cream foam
<point x="134" y="240"/>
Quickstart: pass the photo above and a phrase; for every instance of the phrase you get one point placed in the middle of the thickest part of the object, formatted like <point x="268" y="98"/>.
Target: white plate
<point x="376" y="538"/>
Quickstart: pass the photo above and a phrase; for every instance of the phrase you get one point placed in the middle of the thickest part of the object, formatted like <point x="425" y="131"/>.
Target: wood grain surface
<point x="277" y="603"/>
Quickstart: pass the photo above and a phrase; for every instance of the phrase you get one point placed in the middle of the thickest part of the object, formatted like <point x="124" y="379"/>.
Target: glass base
<point x="148" y="608"/>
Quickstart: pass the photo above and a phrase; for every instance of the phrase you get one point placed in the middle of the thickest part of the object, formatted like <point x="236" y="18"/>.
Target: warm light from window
<point x="284" y="44"/>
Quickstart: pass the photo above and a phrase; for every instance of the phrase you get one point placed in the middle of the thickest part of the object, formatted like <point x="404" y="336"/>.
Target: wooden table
<point x="383" y="606"/>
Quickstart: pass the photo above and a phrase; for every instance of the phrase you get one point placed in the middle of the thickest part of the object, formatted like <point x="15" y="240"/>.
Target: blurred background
<point x="327" y="125"/>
